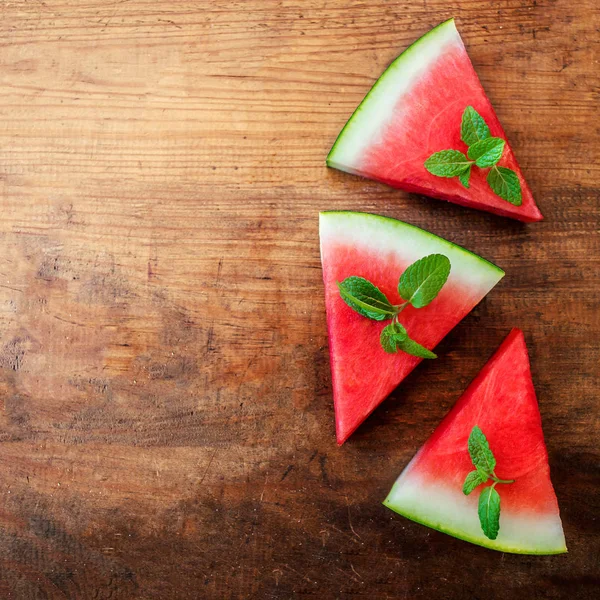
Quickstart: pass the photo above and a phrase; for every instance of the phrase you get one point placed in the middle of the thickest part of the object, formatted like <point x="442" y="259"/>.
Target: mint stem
<point x="497" y="480"/>
<point x="400" y="307"/>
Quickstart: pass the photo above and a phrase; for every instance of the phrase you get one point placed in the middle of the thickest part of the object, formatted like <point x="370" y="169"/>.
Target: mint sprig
<point x="489" y="500"/>
<point x="484" y="151"/>
<point x="418" y="286"/>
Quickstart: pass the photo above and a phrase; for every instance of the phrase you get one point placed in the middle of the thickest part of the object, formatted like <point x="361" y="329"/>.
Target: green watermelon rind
<point x="402" y="225"/>
<point x="406" y="55"/>
<point x="466" y="538"/>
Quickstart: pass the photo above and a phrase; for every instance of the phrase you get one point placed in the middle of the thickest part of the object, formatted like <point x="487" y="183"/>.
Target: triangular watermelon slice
<point x="414" y="110"/>
<point x="501" y="401"/>
<point x="379" y="249"/>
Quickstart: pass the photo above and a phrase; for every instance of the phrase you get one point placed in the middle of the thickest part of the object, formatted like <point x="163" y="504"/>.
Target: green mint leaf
<point x="447" y="163"/>
<point x="479" y="450"/>
<point x="486" y="153"/>
<point x="366" y="299"/>
<point x="391" y="336"/>
<point x="505" y="183"/>
<point x="489" y="512"/>
<point x="399" y="331"/>
<point x="484" y="474"/>
<point x="387" y="339"/>
<point x="423" y="280"/>
<point x="473" y="479"/>
<point x="473" y="128"/>
<point x="464" y="177"/>
<point x="414" y="348"/>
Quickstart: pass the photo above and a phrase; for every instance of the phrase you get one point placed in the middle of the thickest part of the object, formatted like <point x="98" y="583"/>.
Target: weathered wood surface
<point x="167" y="426"/>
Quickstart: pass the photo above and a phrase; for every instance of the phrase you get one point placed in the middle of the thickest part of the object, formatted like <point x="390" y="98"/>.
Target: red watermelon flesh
<point x="415" y="110"/>
<point x="502" y="402"/>
<point x="379" y="249"/>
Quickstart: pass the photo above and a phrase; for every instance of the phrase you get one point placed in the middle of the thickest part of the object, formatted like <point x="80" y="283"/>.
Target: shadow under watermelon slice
<point x="501" y="400"/>
<point x="379" y="249"/>
<point x="414" y="110"/>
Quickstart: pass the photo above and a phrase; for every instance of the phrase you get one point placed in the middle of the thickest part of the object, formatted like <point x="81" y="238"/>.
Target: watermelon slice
<point x="501" y="401"/>
<point x="379" y="249"/>
<point x="414" y="110"/>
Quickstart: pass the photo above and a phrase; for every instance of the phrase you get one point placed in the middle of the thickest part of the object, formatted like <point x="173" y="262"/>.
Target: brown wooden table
<point x="167" y="425"/>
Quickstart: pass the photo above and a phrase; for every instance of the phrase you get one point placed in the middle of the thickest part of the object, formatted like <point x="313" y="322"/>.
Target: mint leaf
<point x="505" y="183"/>
<point x="484" y="474"/>
<point x="420" y="283"/>
<point x="464" y="177"/>
<point x="447" y="163"/>
<point x="489" y="500"/>
<point x="423" y="280"/>
<point x="366" y="299"/>
<point x="391" y="336"/>
<point x="473" y="479"/>
<point x="473" y="128"/>
<point x="414" y="348"/>
<point x="489" y="512"/>
<point x="486" y="153"/>
<point x="387" y="339"/>
<point x="479" y="450"/>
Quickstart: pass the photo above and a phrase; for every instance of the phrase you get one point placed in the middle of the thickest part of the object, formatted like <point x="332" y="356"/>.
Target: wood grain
<point x="167" y="425"/>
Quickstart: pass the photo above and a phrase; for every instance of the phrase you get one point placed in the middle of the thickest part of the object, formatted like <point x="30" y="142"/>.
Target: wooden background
<point x="167" y="426"/>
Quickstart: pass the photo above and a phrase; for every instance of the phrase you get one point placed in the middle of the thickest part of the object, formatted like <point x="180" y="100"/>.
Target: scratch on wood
<point x="170" y="23"/>
<point x="209" y="339"/>
<point x="219" y="269"/>
<point x="207" y="467"/>
<point x="355" y="571"/>
<point x="286" y="472"/>
<point x="304" y="577"/>
<point x="350" y="519"/>
<point x="348" y="574"/>
<point x="264" y="488"/>
<point x="322" y="462"/>
<point x="343" y="533"/>
<point x="11" y="288"/>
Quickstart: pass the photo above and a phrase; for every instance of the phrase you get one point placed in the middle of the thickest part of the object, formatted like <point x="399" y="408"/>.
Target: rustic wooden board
<point x="167" y="425"/>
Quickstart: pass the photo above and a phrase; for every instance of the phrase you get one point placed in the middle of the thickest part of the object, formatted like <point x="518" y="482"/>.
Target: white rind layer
<point x="450" y="511"/>
<point x="384" y="235"/>
<point x="369" y="120"/>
